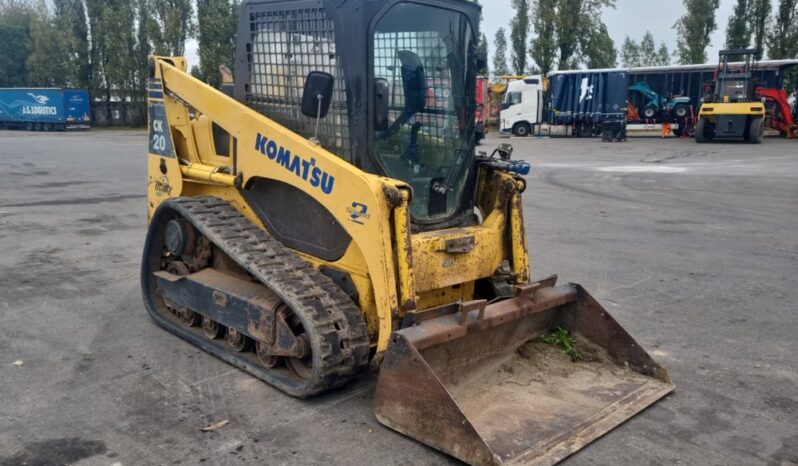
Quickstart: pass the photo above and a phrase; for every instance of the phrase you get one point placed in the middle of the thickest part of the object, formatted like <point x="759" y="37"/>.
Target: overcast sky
<point x="630" y="17"/>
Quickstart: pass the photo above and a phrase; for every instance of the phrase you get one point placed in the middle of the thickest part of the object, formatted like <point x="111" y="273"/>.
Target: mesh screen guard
<point x="284" y="46"/>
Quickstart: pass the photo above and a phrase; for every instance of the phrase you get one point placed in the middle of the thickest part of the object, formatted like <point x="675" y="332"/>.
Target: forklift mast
<point x="735" y="84"/>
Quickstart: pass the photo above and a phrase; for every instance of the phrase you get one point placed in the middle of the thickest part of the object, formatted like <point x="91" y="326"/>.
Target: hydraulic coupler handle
<point x="465" y="309"/>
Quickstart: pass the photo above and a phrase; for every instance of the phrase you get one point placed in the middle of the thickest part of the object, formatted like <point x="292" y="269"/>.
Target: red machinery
<point x="481" y="123"/>
<point x="778" y="111"/>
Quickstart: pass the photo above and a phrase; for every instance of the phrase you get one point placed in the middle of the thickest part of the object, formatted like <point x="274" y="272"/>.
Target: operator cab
<point x="734" y="83"/>
<point x="403" y="101"/>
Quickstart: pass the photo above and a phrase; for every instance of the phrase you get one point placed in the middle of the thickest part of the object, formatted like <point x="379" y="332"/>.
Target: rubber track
<point x="341" y="350"/>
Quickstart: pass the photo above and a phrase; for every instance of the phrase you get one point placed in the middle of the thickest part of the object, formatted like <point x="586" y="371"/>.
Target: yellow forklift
<point x="730" y="112"/>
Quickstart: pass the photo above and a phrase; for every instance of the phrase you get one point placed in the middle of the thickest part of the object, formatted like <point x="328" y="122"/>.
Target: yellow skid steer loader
<point x="327" y="209"/>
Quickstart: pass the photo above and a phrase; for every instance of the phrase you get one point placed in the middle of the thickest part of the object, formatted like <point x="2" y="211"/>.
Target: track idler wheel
<point x="179" y="237"/>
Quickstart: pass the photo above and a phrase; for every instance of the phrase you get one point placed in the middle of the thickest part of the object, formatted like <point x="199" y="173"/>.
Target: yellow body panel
<point x="435" y="268"/>
<point x="394" y="270"/>
<point x="742" y="108"/>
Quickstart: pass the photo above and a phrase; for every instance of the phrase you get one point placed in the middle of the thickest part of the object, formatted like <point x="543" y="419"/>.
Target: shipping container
<point x="44" y="109"/>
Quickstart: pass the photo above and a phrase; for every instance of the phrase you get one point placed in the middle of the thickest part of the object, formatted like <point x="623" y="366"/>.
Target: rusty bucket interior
<point x="478" y="382"/>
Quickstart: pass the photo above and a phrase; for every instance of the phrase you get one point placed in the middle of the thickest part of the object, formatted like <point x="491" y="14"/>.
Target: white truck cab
<point x="522" y="107"/>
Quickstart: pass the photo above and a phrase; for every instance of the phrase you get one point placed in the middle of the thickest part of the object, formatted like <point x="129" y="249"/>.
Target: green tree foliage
<point x="500" y="66"/>
<point x="46" y="64"/>
<point x="543" y="48"/>
<point x="482" y="46"/>
<point x="694" y="29"/>
<point x="577" y="22"/>
<point x="783" y="36"/>
<point x="142" y="52"/>
<point x="216" y="32"/>
<point x="70" y="20"/>
<point x="644" y="53"/>
<point x="100" y="45"/>
<point x="750" y="21"/>
<point x="664" y="55"/>
<point x="15" y="26"/>
<point x="599" y="49"/>
<point x="630" y="53"/>
<point x="570" y="33"/>
<point x="121" y="70"/>
<point x="568" y="25"/>
<point x="649" y="55"/>
<point x="519" y="33"/>
<point x="783" y="39"/>
<point x="99" y="87"/>
<point x="648" y="50"/>
<point x="483" y="52"/>
<point x="171" y="25"/>
<point x="738" y="34"/>
<point x="760" y="23"/>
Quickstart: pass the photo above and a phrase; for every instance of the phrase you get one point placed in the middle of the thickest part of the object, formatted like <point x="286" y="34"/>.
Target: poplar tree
<point x="519" y="33"/>
<point x="648" y="51"/>
<point x="121" y="68"/>
<point x="100" y="87"/>
<point x="483" y="52"/>
<point x="500" y="66"/>
<point x="760" y="22"/>
<point x="70" y="19"/>
<point x="783" y="37"/>
<point x="571" y="32"/>
<point x="630" y="53"/>
<point x="664" y="55"/>
<point x="142" y="53"/>
<point x="216" y="34"/>
<point x="46" y="65"/>
<point x="577" y="22"/>
<point x="694" y="29"/>
<point x="599" y="49"/>
<point x="543" y="48"/>
<point x="171" y="25"/>
<point x="738" y="34"/>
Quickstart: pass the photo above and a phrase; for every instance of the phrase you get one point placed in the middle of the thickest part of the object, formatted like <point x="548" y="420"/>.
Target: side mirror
<point x="318" y="93"/>
<point x="381" y="101"/>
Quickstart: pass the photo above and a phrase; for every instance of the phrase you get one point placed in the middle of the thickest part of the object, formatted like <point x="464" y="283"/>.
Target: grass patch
<point x="562" y="338"/>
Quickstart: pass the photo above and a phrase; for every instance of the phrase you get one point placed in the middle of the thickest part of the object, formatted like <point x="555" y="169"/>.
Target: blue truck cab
<point x="51" y="109"/>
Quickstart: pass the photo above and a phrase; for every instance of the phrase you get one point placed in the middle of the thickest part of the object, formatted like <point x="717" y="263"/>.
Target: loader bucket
<point x="478" y="382"/>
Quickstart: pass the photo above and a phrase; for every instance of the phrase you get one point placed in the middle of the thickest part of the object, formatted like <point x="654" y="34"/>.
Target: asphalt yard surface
<point x="692" y="248"/>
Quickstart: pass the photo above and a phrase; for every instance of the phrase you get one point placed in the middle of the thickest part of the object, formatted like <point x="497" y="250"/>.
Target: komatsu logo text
<point x="301" y="167"/>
